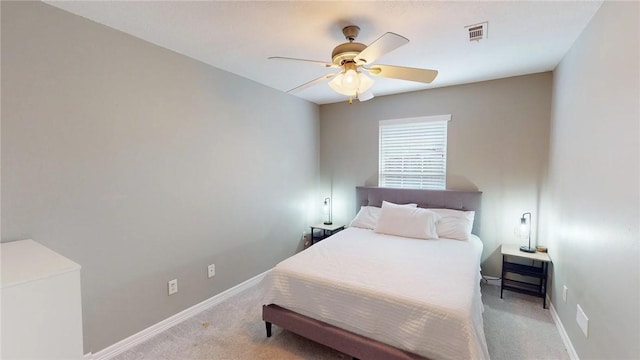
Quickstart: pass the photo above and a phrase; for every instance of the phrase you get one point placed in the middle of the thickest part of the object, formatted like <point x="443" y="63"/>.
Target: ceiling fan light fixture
<point x="350" y="80"/>
<point x="343" y="86"/>
<point x="336" y="85"/>
<point x="352" y="57"/>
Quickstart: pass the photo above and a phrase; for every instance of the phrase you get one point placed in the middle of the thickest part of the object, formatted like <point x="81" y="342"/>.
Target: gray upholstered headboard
<point x="450" y="199"/>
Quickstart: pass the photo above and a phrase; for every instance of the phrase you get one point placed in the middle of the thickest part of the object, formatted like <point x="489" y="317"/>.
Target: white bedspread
<point x="422" y="296"/>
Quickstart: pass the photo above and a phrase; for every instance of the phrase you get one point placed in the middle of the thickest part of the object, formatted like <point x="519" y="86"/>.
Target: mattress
<point x="421" y="296"/>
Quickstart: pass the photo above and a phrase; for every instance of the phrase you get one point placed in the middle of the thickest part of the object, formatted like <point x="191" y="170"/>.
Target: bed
<point x="375" y="295"/>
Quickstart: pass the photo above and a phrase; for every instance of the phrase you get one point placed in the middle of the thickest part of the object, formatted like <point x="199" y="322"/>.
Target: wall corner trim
<point x="135" y="339"/>
<point x="573" y="355"/>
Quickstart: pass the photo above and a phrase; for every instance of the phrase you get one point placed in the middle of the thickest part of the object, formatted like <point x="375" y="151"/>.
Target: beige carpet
<point x="516" y="327"/>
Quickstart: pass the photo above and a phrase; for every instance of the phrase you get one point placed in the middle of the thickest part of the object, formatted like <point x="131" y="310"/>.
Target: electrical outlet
<point x="211" y="270"/>
<point x="173" y="286"/>
<point x="565" y="290"/>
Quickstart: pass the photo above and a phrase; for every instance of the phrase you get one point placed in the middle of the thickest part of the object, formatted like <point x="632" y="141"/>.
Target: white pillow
<point x="390" y="203"/>
<point x="367" y="217"/>
<point x="406" y="221"/>
<point x="454" y="224"/>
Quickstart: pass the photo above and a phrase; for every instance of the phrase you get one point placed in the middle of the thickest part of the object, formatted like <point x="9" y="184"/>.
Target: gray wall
<point x="497" y="143"/>
<point x="143" y="165"/>
<point x="592" y="194"/>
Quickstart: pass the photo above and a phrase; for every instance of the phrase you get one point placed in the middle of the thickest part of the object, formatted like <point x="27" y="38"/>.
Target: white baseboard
<point x="135" y="339"/>
<point x="573" y="355"/>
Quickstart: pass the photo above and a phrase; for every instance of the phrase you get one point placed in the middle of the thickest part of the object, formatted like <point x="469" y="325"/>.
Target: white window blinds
<point x="413" y="152"/>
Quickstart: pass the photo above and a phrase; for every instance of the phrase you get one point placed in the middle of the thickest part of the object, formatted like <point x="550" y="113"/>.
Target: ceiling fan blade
<point x="403" y="73"/>
<point x="312" y="82"/>
<point x="384" y="44"/>
<point x="323" y="63"/>
<point x="367" y="95"/>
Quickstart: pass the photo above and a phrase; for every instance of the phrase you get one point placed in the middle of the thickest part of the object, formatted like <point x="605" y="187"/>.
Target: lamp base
<point x="527" y="249"/>
<point x="331" y="223"/>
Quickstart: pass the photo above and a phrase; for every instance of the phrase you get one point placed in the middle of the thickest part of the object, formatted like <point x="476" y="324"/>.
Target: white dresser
<point x="41" y="314"/>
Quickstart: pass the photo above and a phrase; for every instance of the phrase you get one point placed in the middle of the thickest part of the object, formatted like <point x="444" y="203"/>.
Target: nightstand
<point x="526" y="273"/>
<point x="322" y="231"/>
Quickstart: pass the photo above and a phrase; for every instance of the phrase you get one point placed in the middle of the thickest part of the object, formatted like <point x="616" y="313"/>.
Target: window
<point x="413" y="152"/>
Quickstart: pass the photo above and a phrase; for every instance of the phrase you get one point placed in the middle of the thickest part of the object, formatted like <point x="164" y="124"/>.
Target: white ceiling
<point x="237" y="36"/>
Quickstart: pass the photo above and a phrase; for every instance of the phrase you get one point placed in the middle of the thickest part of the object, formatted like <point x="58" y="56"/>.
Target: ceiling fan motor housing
<point x="346" y="52"/>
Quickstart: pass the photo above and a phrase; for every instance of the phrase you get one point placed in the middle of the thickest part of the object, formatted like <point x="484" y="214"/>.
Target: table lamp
<point x="523" y="226"/>
<point x="327" y="211"/>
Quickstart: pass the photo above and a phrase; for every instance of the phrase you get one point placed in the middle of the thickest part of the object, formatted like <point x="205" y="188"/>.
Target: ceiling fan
<point x="355" y="59"/>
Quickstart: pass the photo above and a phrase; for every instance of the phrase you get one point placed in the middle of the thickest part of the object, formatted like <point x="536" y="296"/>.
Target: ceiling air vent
<point x="477" y="32"/>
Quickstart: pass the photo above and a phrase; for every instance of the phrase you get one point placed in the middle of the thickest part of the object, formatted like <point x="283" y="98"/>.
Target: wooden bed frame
<point x="349" y="343"/>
